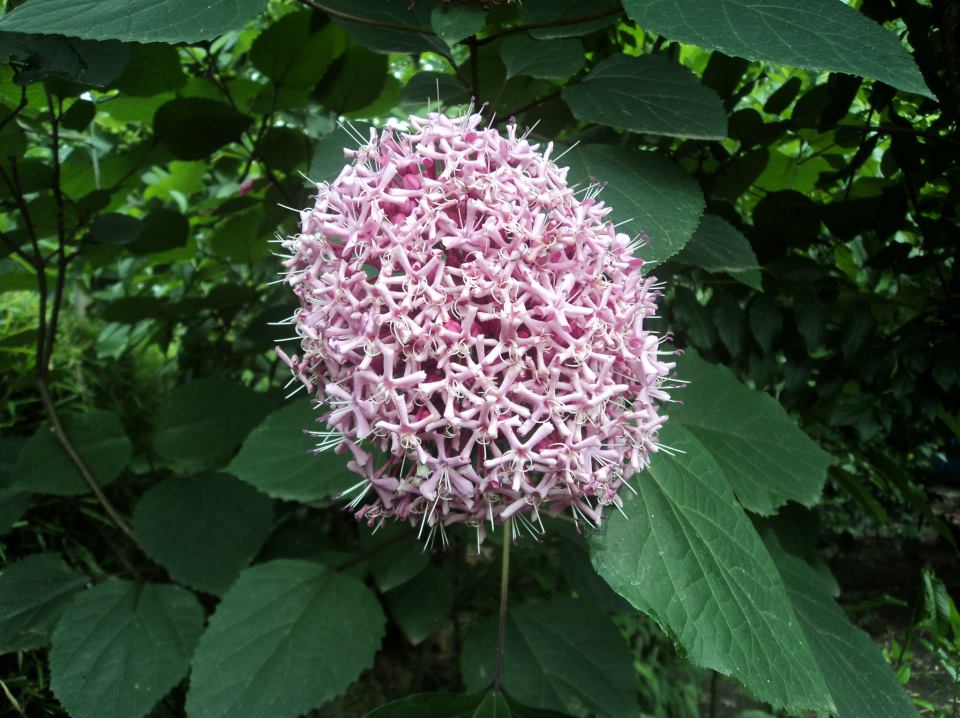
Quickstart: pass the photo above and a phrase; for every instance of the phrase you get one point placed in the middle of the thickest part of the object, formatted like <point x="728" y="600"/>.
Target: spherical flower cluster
<point x="476" y="329"/>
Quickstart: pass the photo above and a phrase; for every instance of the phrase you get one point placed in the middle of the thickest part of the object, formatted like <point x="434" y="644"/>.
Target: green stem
<point x="504" y="589"/>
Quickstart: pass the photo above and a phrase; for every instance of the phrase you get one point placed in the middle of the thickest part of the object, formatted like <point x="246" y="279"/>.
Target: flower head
<point x="476" y="329"/>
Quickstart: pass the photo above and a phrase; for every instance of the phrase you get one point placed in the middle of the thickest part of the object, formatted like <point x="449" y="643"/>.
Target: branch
<point x="61" y="239"/>
<point x="78" y="461"/>
<point x="525" y="108"/>
<point x="17" y="109"/>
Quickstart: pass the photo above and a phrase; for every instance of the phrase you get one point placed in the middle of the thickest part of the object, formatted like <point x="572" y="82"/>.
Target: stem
<point x="78" y="461"/>
<point x="504" y="589"/>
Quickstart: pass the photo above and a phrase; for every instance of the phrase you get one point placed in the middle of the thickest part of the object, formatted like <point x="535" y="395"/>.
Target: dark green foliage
<point x="802" y="217"/>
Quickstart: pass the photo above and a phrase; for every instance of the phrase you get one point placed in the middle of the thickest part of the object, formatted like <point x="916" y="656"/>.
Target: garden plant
<point x="463" y="358"/>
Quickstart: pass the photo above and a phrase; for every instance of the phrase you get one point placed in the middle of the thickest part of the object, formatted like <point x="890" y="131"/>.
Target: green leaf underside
<point x="560" y="655"/>
<point x="486" y="704"/>
<point x="133" y="20"/>
<point x="658" y="197"/>
<point x="44" y="467"/>
<point x="764" y="455"/>
<point x="287" y="637"/>
<point x="414" y="36"/>
<point x="717" y="246"/>
<point x="34" y="591"/>
<point x="276" y="458"/>
<point x="203" y="529"/>
<point x="824" y="35"/>
<point x="136" y="636"/>
<point x="647" y="94"/>
<point x="454" y="22"/>
<point x="860" y="680"/>
<point x="543" y="59"/>
<point x="201" y="421"/>
<point x="421" y="606"/>
<point x="535" y="12"/>
<point x="690" y="558"/>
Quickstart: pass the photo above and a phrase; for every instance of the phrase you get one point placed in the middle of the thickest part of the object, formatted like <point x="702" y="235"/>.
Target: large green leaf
<point x="766" y="458"/>
<point x="44" y="467"/>
<point x="560" y="655"/>
<point x="659" y="198"/>
<point x="405" y="27"/>
<point x="277" y="458"/>
<point x="121" y="646"/>
<point x="287" y="637"/>
<point x="202" y="421"/>
<point x="544" y="59"/>
<point x="421" y="606"/>
<point x="690" y="558"/>
<point x="203" y="529"/>
<point x="487" y="704"/>
<point x="861" y="681"/>
<point x="814" y="34"/>
<point x="33" y="593"/>
<point x="717" y="246"/>
<point x="563" y="12"/>
<point x="648" y="94"/>
<point x="454" y="22"/>
<point x="290" y="54"/>
<point x="193" y="127"/>
<point x="134" y="20"/>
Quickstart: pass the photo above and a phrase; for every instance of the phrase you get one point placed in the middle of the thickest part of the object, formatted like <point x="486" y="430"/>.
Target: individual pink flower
<point x="476" y="329"/>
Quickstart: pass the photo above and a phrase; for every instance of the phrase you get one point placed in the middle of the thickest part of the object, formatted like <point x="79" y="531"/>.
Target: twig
<point x="78" y="461"/>
<point x="16" y="110"/>
<point x="61" y="239"/>
<point x="474" y="70"/>
<point x="528" y="106"/>
<point x="504" y="591"/>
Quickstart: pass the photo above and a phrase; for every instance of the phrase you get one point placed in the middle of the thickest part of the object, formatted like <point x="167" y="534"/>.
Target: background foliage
<point x="169" y="545"/>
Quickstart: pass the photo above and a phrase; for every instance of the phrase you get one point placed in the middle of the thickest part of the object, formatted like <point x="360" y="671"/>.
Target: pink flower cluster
<point x="476" y="329"/>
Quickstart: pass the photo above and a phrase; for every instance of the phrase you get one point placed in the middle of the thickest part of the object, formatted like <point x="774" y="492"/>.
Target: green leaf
<point x="194" y="127"/>
<point x="44" y="467"/>
<point x="486" y="704"/>
<point x="662" y="200"/>
<point x="560" y="655"/>
<point x="327" y="159"/>
<point x="432" y="89"/>
<point x="34" y="591"/>
<point x="160" y="230"/>
<point x="647" y="94"/>
<point x="399" y="562"/>
<point x="860" y="680"/>
<point x="287" y="637"/>
<point x="78" y="117"/>
<point x="114" y="228"/>
<point x="199" y="423"/>
<point x="766" y="458"/>
<point x="203" y="529"/>
<point x="600" y="12"/>
<point x="135" y="20"/>
<point x="823" y="35"/>
<point x="717" y="246"/>
<point x="690" y="558"/>
<point x="13" y="503"/>
<point x="454" y="22"/>
<point x="353" y="81"/>
<point x="405" y="29"/>
<point x="277" y="458"/>
<point x="547" y="60"/>
<point x="154" y="68"/>
<point x="290" y="54"/>
<point x="422" y="606"/>
<point x="121" y="646"/>
<point x="83" y="62"/>
<point x="239" y="238"/>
